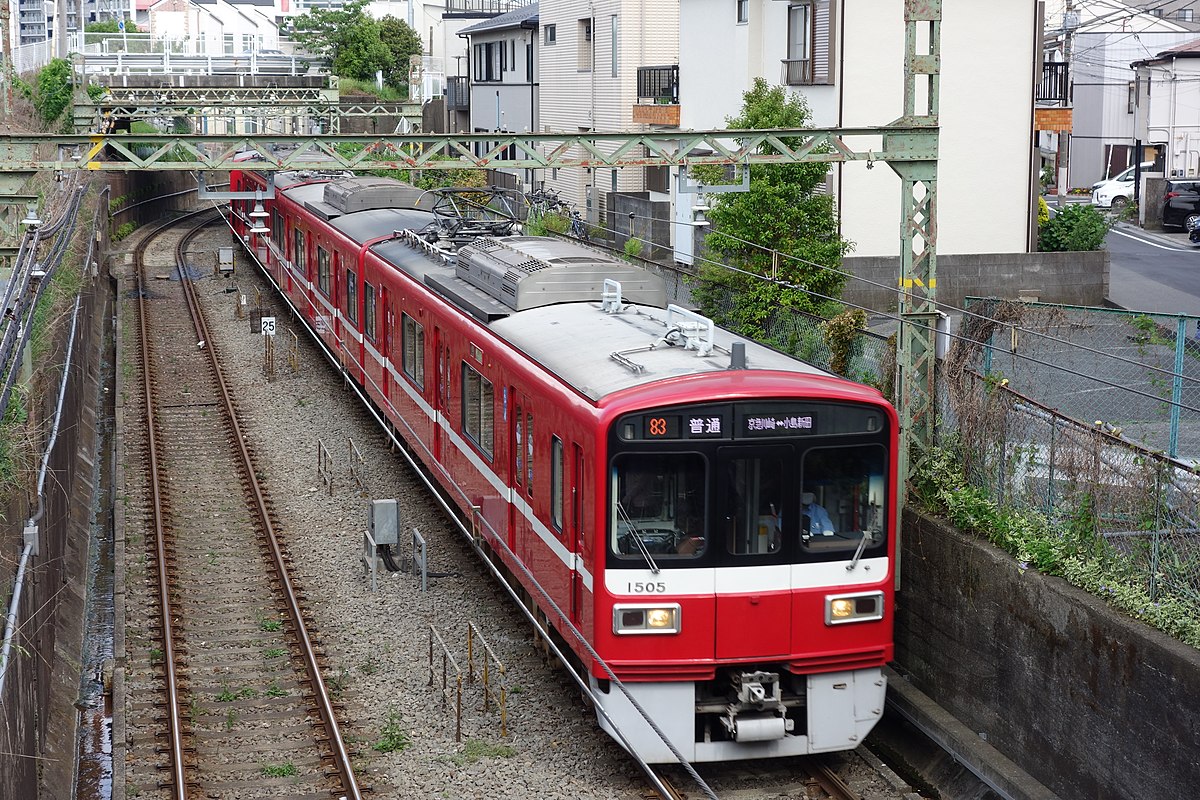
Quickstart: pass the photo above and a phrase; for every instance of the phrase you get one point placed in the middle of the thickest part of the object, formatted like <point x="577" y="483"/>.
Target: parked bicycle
<point x="542" y="202"/>
<point x="579" y="228"/>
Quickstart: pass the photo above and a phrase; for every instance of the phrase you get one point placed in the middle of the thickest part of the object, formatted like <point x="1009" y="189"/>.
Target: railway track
<point x="242" y="710"/>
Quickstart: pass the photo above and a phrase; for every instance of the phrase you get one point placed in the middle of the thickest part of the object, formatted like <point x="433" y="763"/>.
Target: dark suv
<point x="1181" y="204"/>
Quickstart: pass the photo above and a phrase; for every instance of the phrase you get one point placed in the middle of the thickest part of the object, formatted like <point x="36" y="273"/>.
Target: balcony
<point x="797" y="72"/>
<point x="1054" y="88"/>
<point x="481" y="9"/>
<point x="658" y="96"/>
<point x="458" y="94"/>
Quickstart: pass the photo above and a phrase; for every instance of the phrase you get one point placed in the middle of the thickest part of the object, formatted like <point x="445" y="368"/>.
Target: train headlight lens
<point x="843" y="608"/>
<point x="636" y="619"/>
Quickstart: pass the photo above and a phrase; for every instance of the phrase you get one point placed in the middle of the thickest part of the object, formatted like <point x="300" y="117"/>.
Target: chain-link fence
<point x="870" y="358"/>
<point x="1092" y="418"/>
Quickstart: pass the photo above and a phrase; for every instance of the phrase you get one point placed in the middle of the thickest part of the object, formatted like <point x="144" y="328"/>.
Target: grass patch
<point x="476" y="749"/>
<point x="392" y="738"/>
<point x="275" y="652"/>
<point x="229" y="695"/>
<point x="280" y="770"/>
<point x="270" y="625"/>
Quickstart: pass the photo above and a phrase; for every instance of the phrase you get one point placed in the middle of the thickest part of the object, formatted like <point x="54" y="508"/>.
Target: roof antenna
<point x="737" y="355"/>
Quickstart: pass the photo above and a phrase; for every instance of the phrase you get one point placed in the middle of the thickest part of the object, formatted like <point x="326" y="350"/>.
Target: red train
<point x="715" y="518"/>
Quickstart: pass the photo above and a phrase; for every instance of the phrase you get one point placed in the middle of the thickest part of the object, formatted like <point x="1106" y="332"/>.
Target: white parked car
<point x="1117" y="191"/>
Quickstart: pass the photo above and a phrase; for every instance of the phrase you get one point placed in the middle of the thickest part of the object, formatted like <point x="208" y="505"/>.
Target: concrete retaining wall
<point x="1069" y="278"/>
<point x="1088" y="701"/>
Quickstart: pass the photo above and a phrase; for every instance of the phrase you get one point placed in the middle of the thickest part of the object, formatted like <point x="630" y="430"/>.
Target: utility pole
<point x="1069" y="24"/>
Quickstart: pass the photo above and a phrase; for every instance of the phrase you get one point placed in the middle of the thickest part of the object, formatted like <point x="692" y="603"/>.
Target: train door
<point x="516" y="463"/>
<point x="441" y="396"/>
<point x="753" y="508"/>
<point x="387" y="323"/>
<point x="576" y="517"/>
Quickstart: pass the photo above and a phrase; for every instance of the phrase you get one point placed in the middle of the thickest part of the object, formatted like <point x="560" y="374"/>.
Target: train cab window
<point x="843" y="499"/>
<point x="556" y="482"/>
<point x="352" y="295"/>
<point x="412" y="336"/>
<point x="369" y="311"/>
<point x="298" y="260"/>
<point x="658" y="506"/>
<point x="323" y="270"/>
<point x="477" y="408"/>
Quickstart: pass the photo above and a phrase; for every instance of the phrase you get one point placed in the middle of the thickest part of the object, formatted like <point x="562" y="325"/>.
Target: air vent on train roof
<point x="367" y="193"/>
<point x="526" y="272"/>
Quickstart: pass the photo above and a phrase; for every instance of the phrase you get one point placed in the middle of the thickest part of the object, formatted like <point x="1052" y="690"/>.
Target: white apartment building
<point x="846" y="59"/>
<point x="587" y="70"/>
<point x="1169" y="107"/>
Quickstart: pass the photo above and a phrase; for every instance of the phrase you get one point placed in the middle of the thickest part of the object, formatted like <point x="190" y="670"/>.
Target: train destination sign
<point x="778" y="424"/>
<point x="697" y="425"/>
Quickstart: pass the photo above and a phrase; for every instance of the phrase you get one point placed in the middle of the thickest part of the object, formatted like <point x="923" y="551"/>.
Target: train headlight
<point x="843" y="608"/>
<point x="634" y="619"/>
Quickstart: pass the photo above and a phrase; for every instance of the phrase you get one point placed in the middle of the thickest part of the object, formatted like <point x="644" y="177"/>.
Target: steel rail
<point x="324" y="705"/>
<point x="177" y="770"/>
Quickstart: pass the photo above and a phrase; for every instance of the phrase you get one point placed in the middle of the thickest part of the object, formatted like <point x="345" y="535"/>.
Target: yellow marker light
<point x="660" y="618"/>
<point x="849" y="608"/>
<point x="842" y="608"/>
<point x="643" y="618"/>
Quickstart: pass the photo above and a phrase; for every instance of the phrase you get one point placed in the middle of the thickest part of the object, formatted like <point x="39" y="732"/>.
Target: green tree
<point x="52" y="95"/>
<point x="403" y="43"/>
<point x="1077" y="226"/>
<point x="780" y="212"/>
<point x="348" y="37"/>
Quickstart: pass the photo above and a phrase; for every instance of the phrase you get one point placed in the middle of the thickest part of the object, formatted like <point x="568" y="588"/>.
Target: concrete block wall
<point x="1089" y="702"/>
<point x="1068" y="278"/>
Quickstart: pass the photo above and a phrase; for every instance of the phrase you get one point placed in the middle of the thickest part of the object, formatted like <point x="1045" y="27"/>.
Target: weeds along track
<point x="228" y="700"/>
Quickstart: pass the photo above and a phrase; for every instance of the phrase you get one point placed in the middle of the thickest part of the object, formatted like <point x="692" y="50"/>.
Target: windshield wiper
<point x="862" y="543"/>
<point x="636" y="535"/>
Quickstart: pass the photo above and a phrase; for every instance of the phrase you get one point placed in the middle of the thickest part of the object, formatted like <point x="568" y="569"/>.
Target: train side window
<point x="477" y="408"/>
<point x="412" y="334"/>
<point x="520" y="447"/>
<point x="369" y="311"/>
<point x="278" y="236"/>
<point x="556" y="482"/>
<point x="352" y="295"/>
<point x="323" y="270"/>
<point x="298" y="248"/>
<point x="529" y="454"/>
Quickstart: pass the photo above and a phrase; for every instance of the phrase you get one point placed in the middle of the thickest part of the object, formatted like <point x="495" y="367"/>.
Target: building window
<point x="615" y="42"/>
<point x="477" y="405"/>
<point x="412" y="334"/>
<point x="1184" y="15"/>
<point x="551" y="34"/>
<point x="584" y="58"/>
<point x="369" y="311"/>
<point x="743" y="11"/>
<point x="323" y="271"/>
<point x="556" y="482"/>
<point x="1132" y="102"/>
<point x="352" y="296"/>
<point x="809" y="44"/>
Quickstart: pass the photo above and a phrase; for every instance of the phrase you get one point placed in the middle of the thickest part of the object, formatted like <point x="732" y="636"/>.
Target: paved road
<point x="1157" y="272"/>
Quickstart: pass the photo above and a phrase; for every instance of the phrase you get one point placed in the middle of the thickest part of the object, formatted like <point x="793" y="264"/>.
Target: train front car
<point x="743" y="597"/>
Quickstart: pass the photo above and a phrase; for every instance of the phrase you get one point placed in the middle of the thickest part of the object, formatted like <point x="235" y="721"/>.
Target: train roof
<point x="599" y="353"/>
<point x="541" y="295"/>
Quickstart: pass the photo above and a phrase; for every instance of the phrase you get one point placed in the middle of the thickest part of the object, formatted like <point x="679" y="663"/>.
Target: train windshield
<point x="658" y="505"/>
<point x="749" y="483"/>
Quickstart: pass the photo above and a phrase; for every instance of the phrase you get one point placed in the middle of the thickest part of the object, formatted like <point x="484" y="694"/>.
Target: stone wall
<point x="1070" y="278"/>
<point x="1088" y="701"/>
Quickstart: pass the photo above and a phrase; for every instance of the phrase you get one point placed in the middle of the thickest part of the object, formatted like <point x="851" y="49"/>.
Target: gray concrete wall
<point x="1090" y="702"/>
<point x="1068" y="278"/>
<point x="650" y="222"/>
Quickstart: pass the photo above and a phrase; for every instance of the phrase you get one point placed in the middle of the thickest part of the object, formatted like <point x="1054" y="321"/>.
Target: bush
<point x="1075" y="227"/>
<point x="1043" y="213"/>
